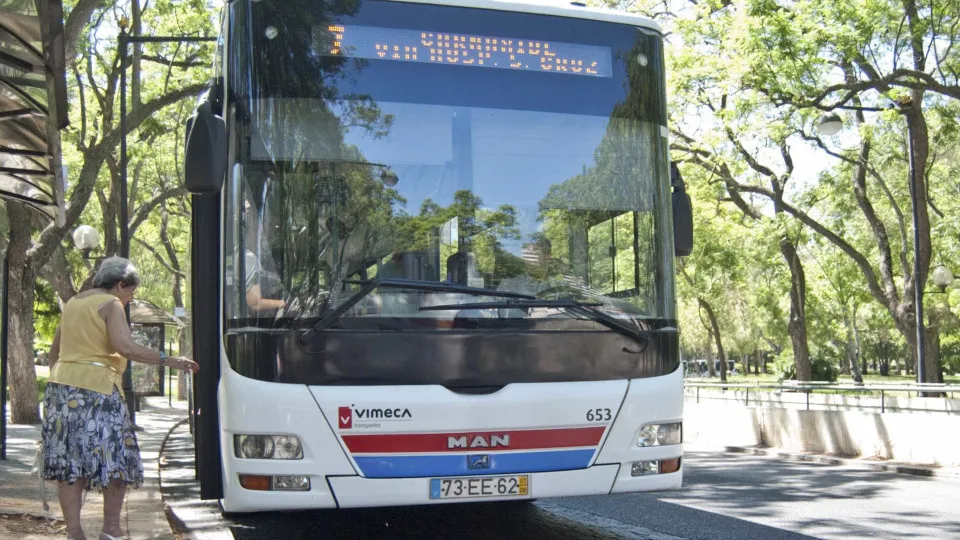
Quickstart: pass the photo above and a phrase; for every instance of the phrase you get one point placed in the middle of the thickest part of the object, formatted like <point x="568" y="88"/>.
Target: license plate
<point x="487" y="486"/>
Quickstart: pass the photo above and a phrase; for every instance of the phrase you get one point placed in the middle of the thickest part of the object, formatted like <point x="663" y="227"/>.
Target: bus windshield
<point x="496" y="151"/>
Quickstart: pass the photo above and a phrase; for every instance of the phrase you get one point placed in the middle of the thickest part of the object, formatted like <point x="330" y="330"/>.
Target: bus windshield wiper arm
<point x="588" y="309"/>
<point x="370" y="285"/>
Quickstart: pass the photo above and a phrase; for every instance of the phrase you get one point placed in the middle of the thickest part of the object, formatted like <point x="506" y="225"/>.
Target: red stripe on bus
<point x="478" y="441"/>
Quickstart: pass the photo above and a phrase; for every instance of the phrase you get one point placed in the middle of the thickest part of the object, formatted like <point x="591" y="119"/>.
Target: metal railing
<point x="947" y="391"/>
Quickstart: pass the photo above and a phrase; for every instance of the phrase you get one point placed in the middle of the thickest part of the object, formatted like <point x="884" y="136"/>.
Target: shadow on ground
<point x="726" y="495"/>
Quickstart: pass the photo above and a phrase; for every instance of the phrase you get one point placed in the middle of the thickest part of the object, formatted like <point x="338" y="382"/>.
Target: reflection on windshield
<point x="344" y="181"/>
<point x="310" y="224"/>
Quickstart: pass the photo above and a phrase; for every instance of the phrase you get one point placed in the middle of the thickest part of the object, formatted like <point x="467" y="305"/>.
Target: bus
<point x="433" y="255"/>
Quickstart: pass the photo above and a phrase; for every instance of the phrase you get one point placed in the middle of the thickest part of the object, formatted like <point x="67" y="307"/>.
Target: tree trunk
<point x="721" y="356"/>
<point x="57" y="273"/>
<point x="847" y="352"/>
<point x="172" y="255"/>
<point x="853" y="352"/>
<point x="797" y="328"/>
<point x="23" y="279"/>
<point x="757" y="359"/>
<point x="711" y="369"/>
<point x="931" y="349"/>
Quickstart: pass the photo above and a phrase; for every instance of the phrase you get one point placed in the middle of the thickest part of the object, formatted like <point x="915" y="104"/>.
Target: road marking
<point x="620" y="528"/>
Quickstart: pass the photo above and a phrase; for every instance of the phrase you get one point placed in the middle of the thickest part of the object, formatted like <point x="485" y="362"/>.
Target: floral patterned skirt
<point x="87" y="434"/>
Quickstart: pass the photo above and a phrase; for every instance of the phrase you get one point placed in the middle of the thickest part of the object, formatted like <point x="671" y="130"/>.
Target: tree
<point x="836" y="56"/>
<point x="775" y="68"/>
<point x="95" y="140"/>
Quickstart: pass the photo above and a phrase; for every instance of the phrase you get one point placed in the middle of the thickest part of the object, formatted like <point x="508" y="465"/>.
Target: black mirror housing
<point x="205" y="156"/>
<point x="682" y="215"/>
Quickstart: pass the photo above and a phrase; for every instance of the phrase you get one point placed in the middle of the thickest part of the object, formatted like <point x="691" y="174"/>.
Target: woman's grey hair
<point x="115" y="270"/>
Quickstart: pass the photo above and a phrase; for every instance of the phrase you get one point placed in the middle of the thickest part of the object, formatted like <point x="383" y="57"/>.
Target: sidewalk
<point x="902" y="467"/>
<point x="144" y="515"/>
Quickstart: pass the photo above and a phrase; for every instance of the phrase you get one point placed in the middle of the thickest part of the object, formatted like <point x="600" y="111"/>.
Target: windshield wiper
<point x="587" y="309"/>
<point x="370" y="285"/>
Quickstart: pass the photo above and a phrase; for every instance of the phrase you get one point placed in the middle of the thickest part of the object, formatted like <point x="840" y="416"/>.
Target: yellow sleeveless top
<point x="87" y="359"/>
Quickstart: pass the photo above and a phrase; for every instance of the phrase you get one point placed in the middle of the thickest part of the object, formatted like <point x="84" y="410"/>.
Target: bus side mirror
<point x="205" y="159"/>
<point x="682" y="215"/>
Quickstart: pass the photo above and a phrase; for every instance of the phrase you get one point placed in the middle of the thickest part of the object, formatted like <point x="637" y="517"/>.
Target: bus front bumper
<point x="359" y="492"/>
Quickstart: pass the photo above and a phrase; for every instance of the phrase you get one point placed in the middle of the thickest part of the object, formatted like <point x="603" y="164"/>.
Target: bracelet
<point x="163" y="359"/>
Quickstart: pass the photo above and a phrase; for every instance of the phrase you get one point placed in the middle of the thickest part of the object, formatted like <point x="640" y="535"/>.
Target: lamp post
<point x="124" y="40"/>
<point x="831" y="124"/>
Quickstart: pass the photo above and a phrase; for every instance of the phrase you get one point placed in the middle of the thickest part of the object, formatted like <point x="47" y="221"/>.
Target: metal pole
<point x="4" y="332"/>
<point x="124" y="217"/>
<point x="917" y="285"/>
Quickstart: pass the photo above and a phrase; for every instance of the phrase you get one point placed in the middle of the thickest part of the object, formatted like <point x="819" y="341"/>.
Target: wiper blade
<point x="370" y="285"/>
<point x="588" y="309"/>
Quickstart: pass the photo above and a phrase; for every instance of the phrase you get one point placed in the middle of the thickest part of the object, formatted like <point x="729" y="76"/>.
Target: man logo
<point x="479" y="461"/>
<point x="478" y="441"/>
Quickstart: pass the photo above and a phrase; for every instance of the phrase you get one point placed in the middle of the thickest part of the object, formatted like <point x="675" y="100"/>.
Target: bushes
<point x="822" y="369"/>
<point x="41" y="386"/>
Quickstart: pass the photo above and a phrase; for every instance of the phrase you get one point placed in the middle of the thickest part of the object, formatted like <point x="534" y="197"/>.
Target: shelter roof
<point x="33" y="104"/>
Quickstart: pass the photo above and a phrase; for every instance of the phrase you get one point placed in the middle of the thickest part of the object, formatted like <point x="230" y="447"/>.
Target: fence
<point x="827" y="396"/>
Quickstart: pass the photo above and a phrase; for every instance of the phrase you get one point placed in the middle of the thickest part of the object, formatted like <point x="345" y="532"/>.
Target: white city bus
<point x="433" y="255"/>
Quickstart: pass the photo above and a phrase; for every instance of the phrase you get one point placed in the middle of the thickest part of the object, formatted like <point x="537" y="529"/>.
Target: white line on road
<point x="617" y="527"/>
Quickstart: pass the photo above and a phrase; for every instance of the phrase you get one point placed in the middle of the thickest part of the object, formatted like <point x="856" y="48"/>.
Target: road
<point x="725" y="496"/>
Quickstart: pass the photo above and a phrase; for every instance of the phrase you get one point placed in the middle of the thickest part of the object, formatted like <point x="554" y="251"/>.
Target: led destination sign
<point x="467" y="50"/>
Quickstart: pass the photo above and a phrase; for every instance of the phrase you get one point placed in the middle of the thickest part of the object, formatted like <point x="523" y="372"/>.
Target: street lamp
<point x="830" y="124"/>
<point x="87" y="239"/>
<point x="942" y="277"/>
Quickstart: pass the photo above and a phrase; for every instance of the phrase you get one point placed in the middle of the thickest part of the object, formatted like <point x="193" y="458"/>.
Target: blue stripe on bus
<point x="454" y="465"/>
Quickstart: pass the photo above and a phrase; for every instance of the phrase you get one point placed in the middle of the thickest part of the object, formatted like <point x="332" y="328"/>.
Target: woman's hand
<point x="180" y="362"/>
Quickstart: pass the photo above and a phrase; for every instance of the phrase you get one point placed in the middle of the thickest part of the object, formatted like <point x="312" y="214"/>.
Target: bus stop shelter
<point x="33" y="110"/>
<point x="149" y="325"/>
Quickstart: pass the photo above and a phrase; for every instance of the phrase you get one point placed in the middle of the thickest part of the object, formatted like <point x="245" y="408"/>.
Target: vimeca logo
<point x="369" y="418"/>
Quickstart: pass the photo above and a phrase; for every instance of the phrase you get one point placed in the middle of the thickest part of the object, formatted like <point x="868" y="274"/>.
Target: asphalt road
<point x="725" y="496"/>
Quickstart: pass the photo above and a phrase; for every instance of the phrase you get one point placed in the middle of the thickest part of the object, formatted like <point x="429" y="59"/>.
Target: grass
<point x="871" y="378"/>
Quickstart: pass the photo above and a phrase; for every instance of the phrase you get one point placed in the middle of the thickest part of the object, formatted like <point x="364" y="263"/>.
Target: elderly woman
<point x="88" y="440"/>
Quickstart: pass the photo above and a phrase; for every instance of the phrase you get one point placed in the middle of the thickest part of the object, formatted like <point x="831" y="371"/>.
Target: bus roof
<point x="559" y="8"/>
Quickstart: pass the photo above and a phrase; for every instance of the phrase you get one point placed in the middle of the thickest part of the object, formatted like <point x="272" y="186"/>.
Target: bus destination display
<point x="465" y="50"/>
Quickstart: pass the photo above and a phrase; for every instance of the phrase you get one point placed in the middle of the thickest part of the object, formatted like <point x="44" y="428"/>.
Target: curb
<point x="913" y="470"/>
<point x="188" y="519"/>
<point x="176" y="524"/>
<point x="163" y="443"/>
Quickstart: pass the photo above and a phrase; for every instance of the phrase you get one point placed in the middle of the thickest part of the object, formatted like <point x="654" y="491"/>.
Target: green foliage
<point x="823" y="369"/>
<point x="46" y="315"/>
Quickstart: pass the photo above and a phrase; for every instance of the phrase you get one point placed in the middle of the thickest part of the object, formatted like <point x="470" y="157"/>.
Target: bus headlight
<point x="660" y="434"/>
<point x="267" y="447"/>
<point x="288" y="447"/>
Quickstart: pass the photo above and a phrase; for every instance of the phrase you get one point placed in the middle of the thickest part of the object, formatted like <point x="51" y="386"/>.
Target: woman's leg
<point x="112" y="505"/>
<point x="71" y="499"/>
